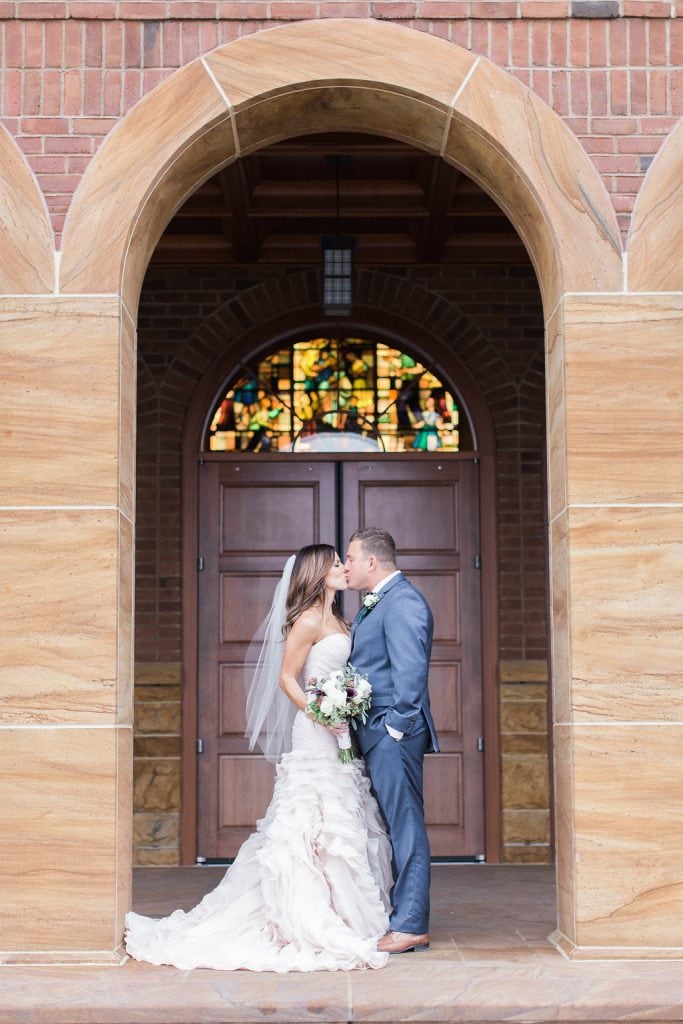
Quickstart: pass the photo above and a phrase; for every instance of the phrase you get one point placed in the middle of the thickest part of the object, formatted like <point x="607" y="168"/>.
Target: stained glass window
<point x="337" y="394"/>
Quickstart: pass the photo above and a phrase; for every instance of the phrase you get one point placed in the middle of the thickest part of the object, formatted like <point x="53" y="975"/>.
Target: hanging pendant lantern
<point x="337" y="262"/>
<point x="337" y="289"/>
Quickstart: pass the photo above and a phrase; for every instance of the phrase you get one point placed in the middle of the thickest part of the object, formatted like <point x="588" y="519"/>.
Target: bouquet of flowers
<point x="337" y="699"/>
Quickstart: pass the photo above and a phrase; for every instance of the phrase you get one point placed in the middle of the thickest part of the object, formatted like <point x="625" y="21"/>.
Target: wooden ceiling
<point x="402" y="206"/>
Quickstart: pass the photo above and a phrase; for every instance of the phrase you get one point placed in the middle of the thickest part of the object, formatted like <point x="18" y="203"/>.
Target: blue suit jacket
<point x="392" y="645"/>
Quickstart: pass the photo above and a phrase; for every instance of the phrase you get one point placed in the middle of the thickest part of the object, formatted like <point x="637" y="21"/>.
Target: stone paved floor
<point x="490" y="961"/>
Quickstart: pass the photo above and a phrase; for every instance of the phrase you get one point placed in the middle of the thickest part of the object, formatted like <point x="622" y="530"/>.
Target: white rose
<point x="363" y="688"/>
<point x="327" y="706"/>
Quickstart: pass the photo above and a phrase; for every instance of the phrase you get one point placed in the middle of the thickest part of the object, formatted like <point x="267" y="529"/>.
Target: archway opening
<point x="441" y="278"/>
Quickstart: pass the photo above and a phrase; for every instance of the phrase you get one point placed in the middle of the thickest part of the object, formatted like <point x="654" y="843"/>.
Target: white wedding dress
<point x="308" y="890"/>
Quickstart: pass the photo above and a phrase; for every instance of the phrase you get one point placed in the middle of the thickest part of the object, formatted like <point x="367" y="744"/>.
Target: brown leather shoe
<point x="403" y="942"/>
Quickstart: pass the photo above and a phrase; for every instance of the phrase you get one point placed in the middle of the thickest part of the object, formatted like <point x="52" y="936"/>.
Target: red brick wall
<point x="73" y="69"/>
<point x="490" y="316"/>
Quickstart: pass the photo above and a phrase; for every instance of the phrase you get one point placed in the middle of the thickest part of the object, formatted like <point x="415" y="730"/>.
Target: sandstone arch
<point x="342" y="75"/>
<point x="26" y="261"/>
<point x="656" y="236"/>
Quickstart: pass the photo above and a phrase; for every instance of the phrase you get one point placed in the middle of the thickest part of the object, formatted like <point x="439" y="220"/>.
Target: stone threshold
<point x="438" y="988"/>
<point x="491" y="961"/>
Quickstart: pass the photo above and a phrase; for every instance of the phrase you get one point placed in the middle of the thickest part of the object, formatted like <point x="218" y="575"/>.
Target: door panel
<point x="424" y="518"/>
<point x="442" y="591"/>
<point x="443" y="792"/>
<point x="445" y="696"/>
<point x="253" y="514"/>
<point x="430" y="506"/>
<point x="251" y="521"/>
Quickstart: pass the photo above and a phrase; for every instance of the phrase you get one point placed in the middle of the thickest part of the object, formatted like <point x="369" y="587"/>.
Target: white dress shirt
<point x="383" y="583"/>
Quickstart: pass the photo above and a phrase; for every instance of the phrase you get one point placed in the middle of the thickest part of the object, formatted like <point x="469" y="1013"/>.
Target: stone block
<point x="157" y="785"/>
<point x="151" y="693"/>
<point x="525" y="781"/>
<point x="524" y="743"/>
<point x="158" y="718"/>
<point x="628" y="781"/>
<point x="523" y="670"/>
<point x="60" y="359"/>
<point x="560" y="638"/>
<point x="524" y="692"/>
<point x="491" y="108"/>
<point x="58" y="821"/>
<point x="58" y="608"/>
<point x="623" y="386"/>
<point x="526" y="826"/>
<point x="523" y="716"/>
<point x="157" y="673"/>
<point x="154" y="830"/>
<point x="27" y="264"/>
<point x="627" y="608"/>
<point x="527" y="855"/>
<point x="173" y="135"/>
<point x="157" y="746"/>
<point x="654" y="258"/>
<point x="148" y="856"/>
<point x="125" y="623"/>
<point x="556" y="415"/>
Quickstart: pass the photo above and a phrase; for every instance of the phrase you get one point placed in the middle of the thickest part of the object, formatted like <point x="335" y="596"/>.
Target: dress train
<point x="308" y="890"/>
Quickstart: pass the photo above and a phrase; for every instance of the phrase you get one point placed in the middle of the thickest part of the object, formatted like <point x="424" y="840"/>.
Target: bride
<point x="308" y="891"/>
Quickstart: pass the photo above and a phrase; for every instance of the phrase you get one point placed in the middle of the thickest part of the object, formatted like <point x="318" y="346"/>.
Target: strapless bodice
<point x="309" y="738"/>
<point x="327" y="655"/>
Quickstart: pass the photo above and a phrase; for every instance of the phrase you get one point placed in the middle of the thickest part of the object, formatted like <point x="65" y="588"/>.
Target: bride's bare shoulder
<point x="308" y="625"/>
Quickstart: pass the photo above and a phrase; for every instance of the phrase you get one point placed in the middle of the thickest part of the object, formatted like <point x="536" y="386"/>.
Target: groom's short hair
<point x="378" y="543"/>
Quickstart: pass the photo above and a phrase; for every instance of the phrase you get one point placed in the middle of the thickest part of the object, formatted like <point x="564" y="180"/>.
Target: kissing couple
<point x="336" y="875"/>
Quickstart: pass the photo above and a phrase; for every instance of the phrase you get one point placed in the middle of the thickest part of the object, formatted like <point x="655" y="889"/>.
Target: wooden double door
<point x="254" y="513"/>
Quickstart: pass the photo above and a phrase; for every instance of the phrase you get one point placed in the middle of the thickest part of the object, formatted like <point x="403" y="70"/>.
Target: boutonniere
<point x="370" y="600"/>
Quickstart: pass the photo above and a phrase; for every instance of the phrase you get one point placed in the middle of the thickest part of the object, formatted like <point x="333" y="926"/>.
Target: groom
<point x="391" y="644"/>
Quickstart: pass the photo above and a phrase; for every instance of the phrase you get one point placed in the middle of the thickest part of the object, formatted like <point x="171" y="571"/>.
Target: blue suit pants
<point x="395" y="770"/>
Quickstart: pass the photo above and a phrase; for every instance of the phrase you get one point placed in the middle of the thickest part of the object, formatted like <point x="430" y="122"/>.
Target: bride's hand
<point x="339" y="730"/>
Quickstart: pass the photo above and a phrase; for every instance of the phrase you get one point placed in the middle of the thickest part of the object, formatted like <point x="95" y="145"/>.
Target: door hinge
<point x="477" y="561"/>
<point x="199" y="746"/>
<point x="201" y="564"/>
<point x="480" y="743"/>
<point x="201" y="461"/>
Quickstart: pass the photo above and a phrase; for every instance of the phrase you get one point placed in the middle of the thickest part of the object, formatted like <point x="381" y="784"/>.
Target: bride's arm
<point x="302" y="636"/>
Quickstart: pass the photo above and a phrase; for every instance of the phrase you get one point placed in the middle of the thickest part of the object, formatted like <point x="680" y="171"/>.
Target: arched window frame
<point x="337" y="393"/>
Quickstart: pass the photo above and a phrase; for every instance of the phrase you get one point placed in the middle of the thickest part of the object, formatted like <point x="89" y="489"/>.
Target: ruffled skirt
<point x="308" y="890"/>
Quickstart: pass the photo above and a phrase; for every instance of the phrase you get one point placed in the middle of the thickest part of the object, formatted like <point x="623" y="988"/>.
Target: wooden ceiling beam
<point x="402" y="205"/>
<point x="432" y="233"/>
<point x="238" y="227"/>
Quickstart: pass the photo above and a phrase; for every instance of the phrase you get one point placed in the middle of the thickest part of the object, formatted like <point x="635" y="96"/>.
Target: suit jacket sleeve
<point x="408" y="627"/>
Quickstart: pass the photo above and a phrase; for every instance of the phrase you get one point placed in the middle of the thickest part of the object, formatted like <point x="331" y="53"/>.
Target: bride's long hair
<point x="307" y="585"/>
